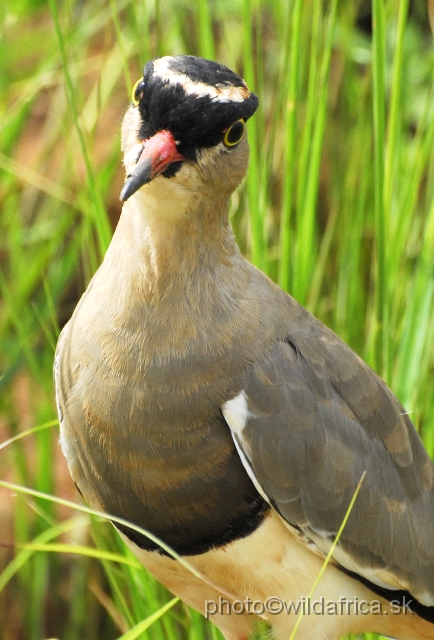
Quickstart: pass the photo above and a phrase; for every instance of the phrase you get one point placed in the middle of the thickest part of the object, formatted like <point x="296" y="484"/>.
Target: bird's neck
<point x="172" y="240"/>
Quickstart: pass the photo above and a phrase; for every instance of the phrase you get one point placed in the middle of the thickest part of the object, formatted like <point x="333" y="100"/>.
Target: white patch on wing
<point x="222" y="93"/>
<point x="236" y="412"/>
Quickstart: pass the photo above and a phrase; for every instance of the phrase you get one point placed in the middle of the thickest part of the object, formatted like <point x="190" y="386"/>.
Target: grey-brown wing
<point x="310" y="420"/>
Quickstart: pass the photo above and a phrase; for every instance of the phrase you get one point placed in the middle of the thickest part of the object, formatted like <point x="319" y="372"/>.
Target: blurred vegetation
<point x="338" y="207"/>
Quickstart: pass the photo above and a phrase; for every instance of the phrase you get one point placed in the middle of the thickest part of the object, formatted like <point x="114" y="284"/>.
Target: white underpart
<point x="222" y="93"/>
<point x="270" y="562"/>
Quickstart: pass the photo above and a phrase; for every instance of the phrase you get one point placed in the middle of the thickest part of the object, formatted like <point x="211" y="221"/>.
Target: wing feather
<point x="318" y="417"/>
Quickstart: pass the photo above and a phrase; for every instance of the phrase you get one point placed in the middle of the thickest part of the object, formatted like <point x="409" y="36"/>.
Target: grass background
<point x="338" y="207"/>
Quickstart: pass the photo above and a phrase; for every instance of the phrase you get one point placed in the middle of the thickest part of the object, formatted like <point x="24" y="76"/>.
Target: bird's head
<point x="187" y="123"/>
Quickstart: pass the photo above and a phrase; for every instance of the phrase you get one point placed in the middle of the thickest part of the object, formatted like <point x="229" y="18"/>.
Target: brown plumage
<point x="202" y="403"/>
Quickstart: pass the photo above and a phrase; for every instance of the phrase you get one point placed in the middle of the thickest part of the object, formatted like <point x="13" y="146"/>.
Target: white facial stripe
<point x="221" y="93"/>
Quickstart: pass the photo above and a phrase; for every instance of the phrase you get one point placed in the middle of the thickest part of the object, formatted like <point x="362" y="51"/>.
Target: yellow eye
<point x="137" y="91"/>
<point x="234" y="134"/>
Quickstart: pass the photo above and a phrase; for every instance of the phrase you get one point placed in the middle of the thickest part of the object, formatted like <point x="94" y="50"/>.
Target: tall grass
<point x="338" y="207"/>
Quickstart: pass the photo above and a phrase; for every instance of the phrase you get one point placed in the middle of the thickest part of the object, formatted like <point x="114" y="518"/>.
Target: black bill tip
<point x="141" y="175"/>
<point x="131" y="185"/>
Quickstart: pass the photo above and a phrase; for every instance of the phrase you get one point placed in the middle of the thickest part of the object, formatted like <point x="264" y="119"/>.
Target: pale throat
<point x="174" y="234"/>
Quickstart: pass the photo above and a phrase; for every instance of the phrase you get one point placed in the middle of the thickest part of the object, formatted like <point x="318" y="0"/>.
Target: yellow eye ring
<point x="137" y="91"/>
<point x="234" y="134"/>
